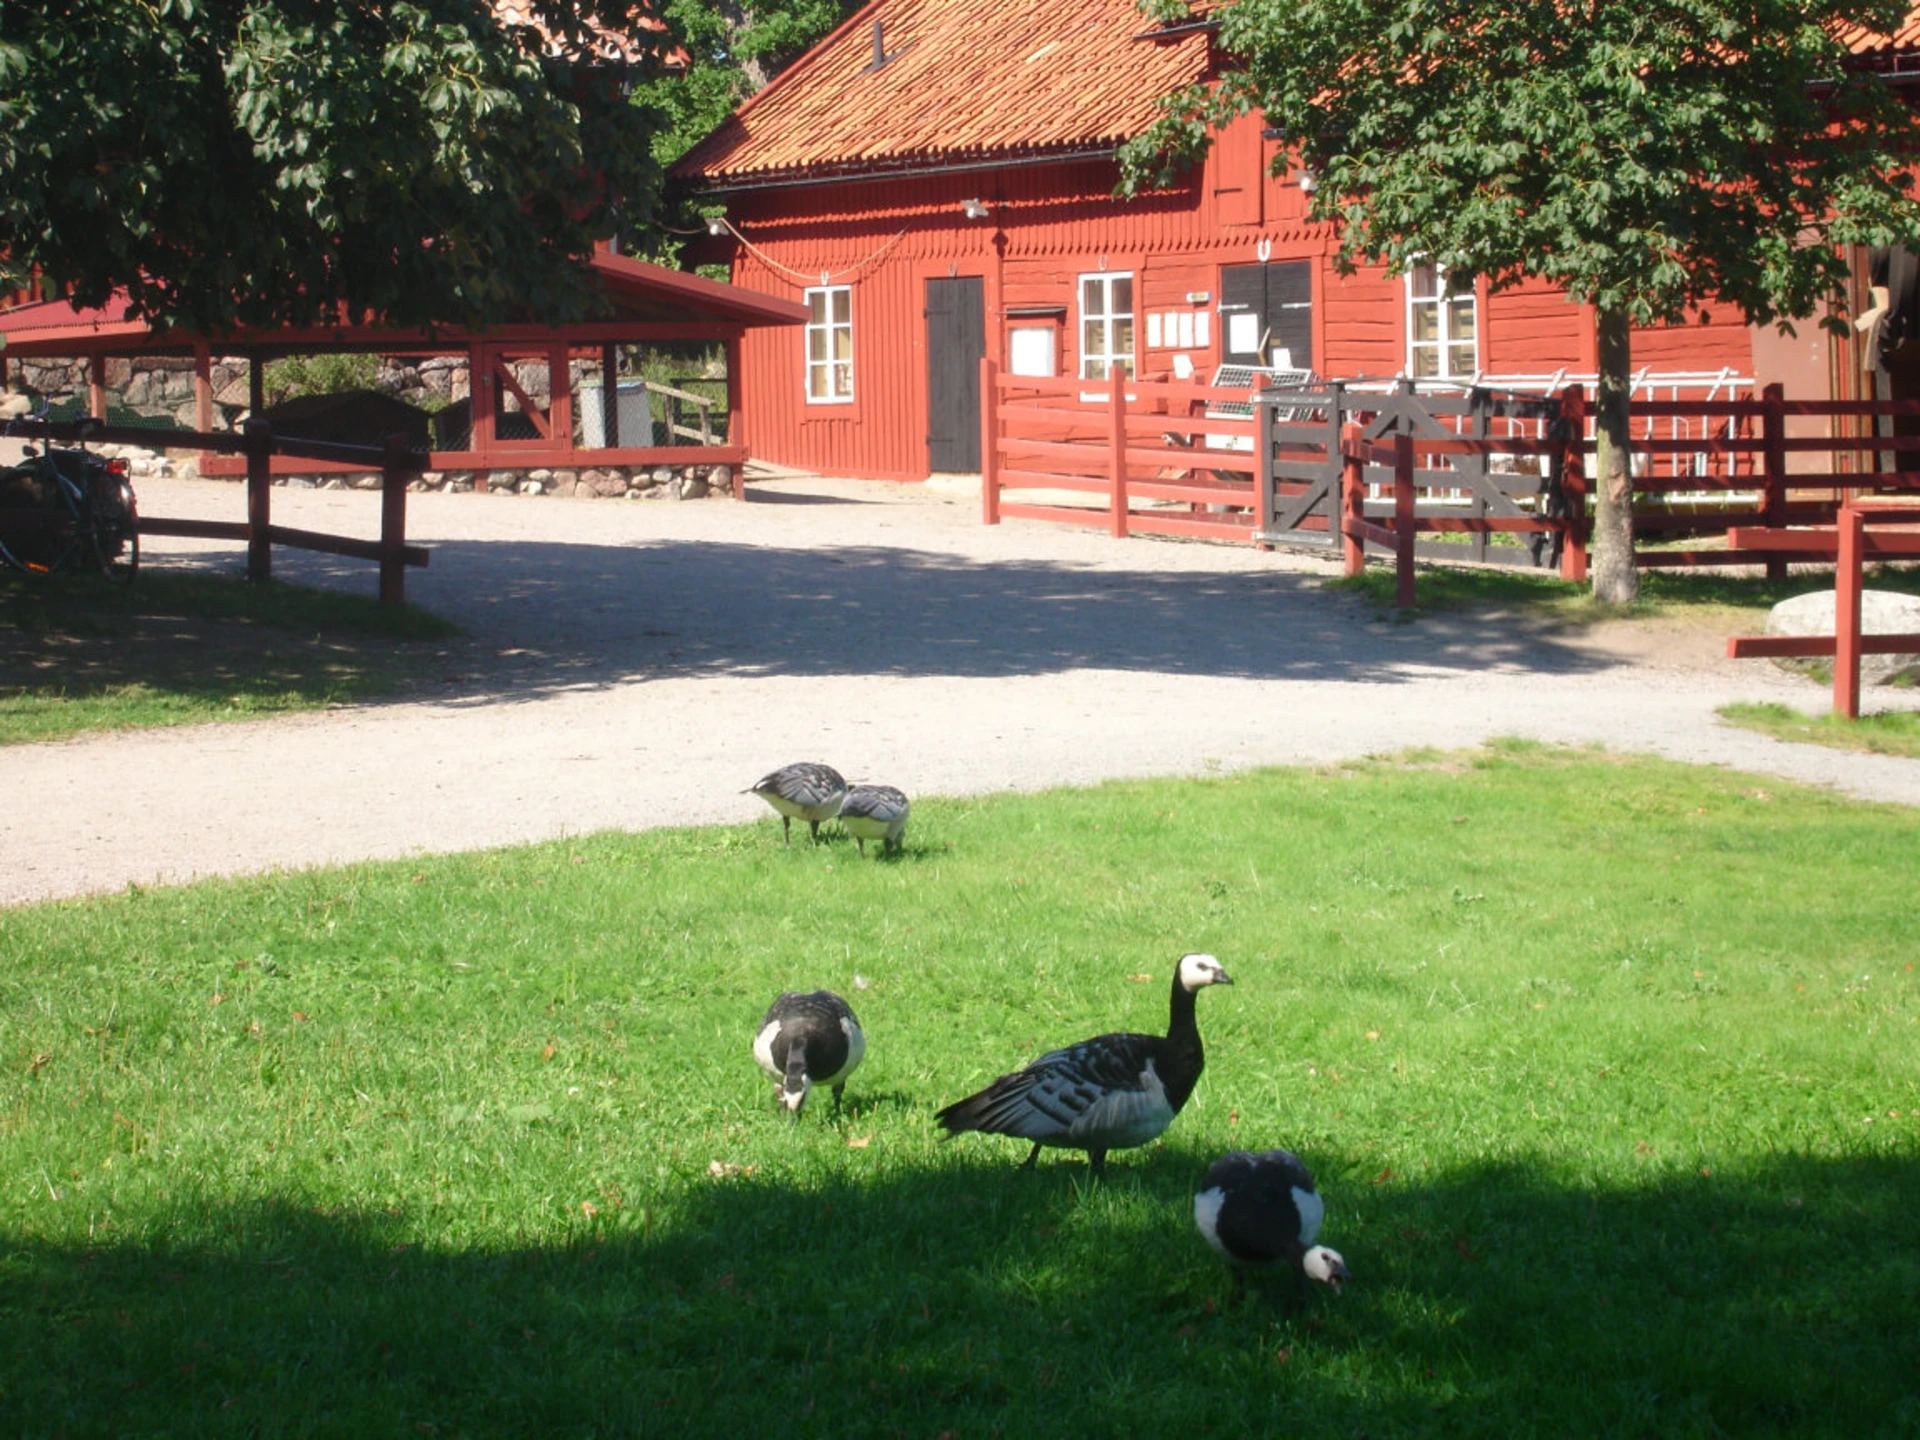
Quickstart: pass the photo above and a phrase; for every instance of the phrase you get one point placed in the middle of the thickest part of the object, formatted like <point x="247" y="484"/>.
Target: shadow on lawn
<point x="976" y="1297"/>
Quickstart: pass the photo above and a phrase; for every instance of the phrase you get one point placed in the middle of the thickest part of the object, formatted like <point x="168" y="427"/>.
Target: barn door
<point x="956" y="341"/>
<point x="1266" y="310"/>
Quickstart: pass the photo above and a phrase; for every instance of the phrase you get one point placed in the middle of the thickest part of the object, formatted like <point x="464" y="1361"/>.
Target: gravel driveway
<point x="631" y="664"/>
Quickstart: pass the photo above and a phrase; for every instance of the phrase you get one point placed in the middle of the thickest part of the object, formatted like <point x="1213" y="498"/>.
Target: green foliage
<point x="1614" y="1106"/>
<point x="1653" y="159"/>
<point x="733" y="50"/>
<point x="325" y="374"/>
<point x="275" y="161"/>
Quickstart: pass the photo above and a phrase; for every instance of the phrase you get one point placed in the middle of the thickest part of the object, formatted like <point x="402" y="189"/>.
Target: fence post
<point x="1403" y="520"/>
<point x="1117" y="445"/>
<point x="1573" y="482"/>
<point x="1846" y="612"/>
<point x="1480" y="464"/>
<point x="258" y="435"/>
<point x="395" y="466"/>
<point x="1353" y="499"/>
<point x="989" y="441"/>
<point x="1773" y="432"/>
<point x="1263" y="472"/>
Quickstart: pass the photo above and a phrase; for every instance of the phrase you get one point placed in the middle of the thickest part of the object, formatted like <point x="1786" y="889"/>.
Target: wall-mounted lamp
<point x="974" y="209"/>
<point x="716" y="225"/>
<point x="1309" y="182"/>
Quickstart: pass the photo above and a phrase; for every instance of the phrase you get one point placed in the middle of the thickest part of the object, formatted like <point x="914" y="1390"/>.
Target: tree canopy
<point x="1655" y="158"/>
<point x="285" y="161"/>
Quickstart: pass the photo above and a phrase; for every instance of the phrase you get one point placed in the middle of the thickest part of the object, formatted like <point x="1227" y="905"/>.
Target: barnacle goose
<point x="809" y="1038"/>
<point x="804" y="791"/>
<point x="875" y="812"/>
<point x="1103" y="1094"/>
<point x="1257" y="1210"/>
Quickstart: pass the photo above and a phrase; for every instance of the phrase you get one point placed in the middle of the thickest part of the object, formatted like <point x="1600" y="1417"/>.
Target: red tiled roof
<point x="1862" y="41"/>
<point x="963" y="79"/>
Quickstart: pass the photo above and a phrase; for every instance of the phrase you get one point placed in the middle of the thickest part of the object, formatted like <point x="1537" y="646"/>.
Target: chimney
<point x="879" y="45"/>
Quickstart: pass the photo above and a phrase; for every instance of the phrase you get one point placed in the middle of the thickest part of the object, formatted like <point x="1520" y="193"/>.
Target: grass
<point x="1609" y="1070"/>
<point x="1893" y="732"/>
<point x="79" y="654"/>
<point x="1702" y="594"/>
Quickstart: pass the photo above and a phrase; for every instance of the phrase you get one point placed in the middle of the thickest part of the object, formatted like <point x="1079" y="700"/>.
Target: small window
<point x="1106" y="325"/>
<point x="1442" y="326"/>
<point x="830" y="345"/>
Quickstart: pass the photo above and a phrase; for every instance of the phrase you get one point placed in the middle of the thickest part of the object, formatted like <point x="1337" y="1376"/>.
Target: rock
<point x="662" y="474"/>
<point x="532" y="487"/>
<point x="367" y="482"/>
<point x="720" y="477"/>
<point x="1882" y="612"/>
<point x="694" y="486"/>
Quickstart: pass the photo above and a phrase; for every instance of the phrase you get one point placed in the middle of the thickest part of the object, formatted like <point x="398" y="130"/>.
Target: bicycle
<point x="65" y="510"/>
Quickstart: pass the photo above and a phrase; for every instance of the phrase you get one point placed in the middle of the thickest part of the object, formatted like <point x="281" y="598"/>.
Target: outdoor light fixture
<point x="974" y="209"/>
<point x="716" y="225"/>
<point x="1309" y="182"/>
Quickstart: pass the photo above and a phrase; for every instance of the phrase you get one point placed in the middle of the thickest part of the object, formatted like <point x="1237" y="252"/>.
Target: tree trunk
<point x="1615" y="580"/>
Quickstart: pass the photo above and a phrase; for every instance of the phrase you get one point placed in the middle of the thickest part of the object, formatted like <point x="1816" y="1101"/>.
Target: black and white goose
<point x="805" y="791"/>
<point x="1107" y="1093"/>
<point x="1262" y="1210"/>
<point x="809" y="1038"/>
<point x="875" y="812"/>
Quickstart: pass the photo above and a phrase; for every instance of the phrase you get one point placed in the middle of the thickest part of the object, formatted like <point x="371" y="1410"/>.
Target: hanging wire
<point x="801" y="277"/>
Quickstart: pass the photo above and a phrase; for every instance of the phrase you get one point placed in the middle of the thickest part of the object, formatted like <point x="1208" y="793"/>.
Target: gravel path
<point x="632" y="664"/>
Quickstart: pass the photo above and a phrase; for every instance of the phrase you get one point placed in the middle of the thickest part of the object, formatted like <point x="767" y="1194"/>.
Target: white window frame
<point x="1447" y="310"/>
<point x="1108" y="318"/>
<point x="828" y="374"/>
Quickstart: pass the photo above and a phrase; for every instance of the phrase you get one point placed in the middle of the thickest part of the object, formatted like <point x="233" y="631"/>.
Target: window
<point x="1106" y="325"/>
<point x="1442" y="326"/>
<point x="830" y="345"/>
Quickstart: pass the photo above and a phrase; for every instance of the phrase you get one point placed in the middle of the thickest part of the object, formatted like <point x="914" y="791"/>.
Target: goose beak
<point x="1222" y="978"/>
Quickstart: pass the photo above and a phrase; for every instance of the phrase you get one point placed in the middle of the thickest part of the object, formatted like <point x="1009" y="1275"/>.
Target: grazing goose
<point x="1103" y="1094"/>
<point x="1260" y="1209"/>
<point x="809" y="1039"/>
<point x="875" y="812"/>
<point x="805" y="791"/>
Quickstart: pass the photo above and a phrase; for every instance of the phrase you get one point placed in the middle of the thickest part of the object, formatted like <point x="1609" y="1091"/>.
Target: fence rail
<point x="1483" y="474"/>
<point x="396" y="463"/>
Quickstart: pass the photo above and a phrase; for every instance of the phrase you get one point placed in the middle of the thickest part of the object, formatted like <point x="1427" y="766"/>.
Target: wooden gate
<point x="1302" y="432"/>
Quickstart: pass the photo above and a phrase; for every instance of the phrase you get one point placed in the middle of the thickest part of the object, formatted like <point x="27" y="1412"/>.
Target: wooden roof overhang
<point x="645" y="303"/>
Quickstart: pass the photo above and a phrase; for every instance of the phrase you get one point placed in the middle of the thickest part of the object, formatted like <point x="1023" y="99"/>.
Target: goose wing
<point x="1106" y="1085"/>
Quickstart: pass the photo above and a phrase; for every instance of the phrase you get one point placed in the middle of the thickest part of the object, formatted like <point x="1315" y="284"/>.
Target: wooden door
<point x="956" y="340"/>
<point x="1265" y="309"/>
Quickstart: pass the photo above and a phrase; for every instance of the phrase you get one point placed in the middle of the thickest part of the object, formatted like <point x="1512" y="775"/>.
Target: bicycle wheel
<point x="113" y="531"/>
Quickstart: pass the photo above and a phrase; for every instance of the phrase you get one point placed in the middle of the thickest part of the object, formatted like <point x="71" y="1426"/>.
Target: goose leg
<point x="838" y="1091"/>
<point x="786" y="830"/>
<point x="1097" y="1162"/>
<point x="1032" y="1157"/>
<point x="816" y="830"/>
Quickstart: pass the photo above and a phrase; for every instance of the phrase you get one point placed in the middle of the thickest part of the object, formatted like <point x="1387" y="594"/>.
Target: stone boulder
<point x="1882" y="612"/>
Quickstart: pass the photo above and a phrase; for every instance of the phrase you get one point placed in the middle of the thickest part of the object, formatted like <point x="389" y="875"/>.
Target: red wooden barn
<point x="934" y="182"/>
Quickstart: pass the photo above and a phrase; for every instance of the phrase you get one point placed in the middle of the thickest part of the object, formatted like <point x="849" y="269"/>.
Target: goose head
<point x="1326" y="1266"/>
<point x="791" y="1099"/>
<point x="1197" y="971"/>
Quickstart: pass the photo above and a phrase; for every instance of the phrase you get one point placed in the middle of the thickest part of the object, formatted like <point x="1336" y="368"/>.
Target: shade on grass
<point x="1606" y="1068"/>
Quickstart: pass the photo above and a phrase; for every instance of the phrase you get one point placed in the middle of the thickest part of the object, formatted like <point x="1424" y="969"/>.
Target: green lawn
<point x="79" y="654"/>
<point x="1609" y="1069"/>
<point x="1890" y="732"/>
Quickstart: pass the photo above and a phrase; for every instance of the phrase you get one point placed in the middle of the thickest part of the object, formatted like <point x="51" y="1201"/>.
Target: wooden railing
<point x="1390" y="471"/>
<point x="396" y="463"/>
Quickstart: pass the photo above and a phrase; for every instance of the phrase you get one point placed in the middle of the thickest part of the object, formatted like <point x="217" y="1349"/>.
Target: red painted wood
<point x="1117" y="449"/>
<point x="1573" y="484"/>
<point x="989" y="441"/>
<point x="1846" y="615"/>
<point x="1772" y="647"/>
<point x="1353" y="499"/>
<point x="1403" y="522"/>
